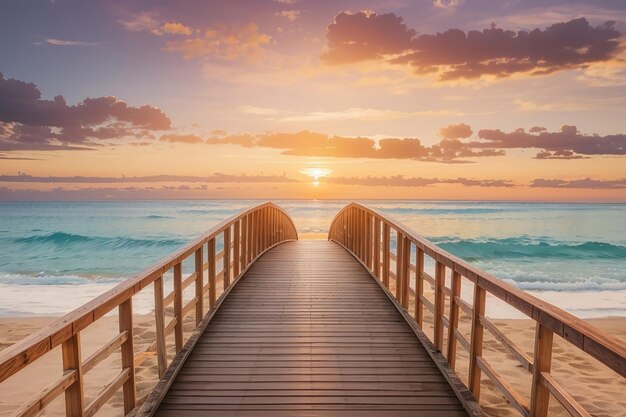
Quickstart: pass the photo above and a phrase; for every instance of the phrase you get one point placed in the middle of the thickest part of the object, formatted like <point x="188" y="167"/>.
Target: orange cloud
<point x="307" y="143"/>
<point x="227" y="43"/>
<point x="456" y="131"/>
<point x="149" y="22"/>
<point x="181" y="138"/>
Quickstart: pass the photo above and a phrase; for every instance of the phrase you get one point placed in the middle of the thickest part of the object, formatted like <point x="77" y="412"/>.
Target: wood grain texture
<point x="307" y="331"/>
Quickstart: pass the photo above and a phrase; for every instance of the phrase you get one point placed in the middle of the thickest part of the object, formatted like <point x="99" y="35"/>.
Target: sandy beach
<point x="591" y="383"/>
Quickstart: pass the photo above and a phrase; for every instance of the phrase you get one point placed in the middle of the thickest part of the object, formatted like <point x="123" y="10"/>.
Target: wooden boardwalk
<point x="308" y="331"/>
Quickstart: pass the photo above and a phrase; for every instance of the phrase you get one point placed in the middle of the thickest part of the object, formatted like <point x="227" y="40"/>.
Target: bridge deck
<point x="307" y="331"/>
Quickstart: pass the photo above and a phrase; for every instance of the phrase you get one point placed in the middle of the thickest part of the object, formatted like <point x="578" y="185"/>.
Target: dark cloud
<point x="455" y="54"/>
<point x="28" y="122"/>
<point x="568" y="143"/>
<point x="214" y="178"/>
<point x="363" y="36"/>
<point x="401" y="181"/>
<point x="619" y="184"/>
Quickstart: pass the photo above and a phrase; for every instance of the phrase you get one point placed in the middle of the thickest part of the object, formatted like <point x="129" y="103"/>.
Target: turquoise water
<point x="76" y="250"/>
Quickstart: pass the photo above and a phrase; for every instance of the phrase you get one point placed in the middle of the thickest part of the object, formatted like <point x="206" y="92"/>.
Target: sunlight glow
<point x="316" y="173"/>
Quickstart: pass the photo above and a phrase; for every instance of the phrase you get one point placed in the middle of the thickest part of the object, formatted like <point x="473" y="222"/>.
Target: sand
<point x="599" y="389"/>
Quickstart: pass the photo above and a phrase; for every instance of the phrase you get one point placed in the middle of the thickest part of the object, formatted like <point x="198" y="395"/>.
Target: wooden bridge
<point x="311" y="328"/>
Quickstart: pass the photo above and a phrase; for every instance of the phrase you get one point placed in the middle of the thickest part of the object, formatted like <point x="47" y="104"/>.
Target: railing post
<point x="128" y="355"/>
<point x="178" y="306"/>
<point x="368" y="240"/>
<point x="72" y="362"/>
<point x="440" y="280"/>
<point x="419" y="286"/>
<point x="386" y="254"/>
<point x="406" y="271"/>
<point x="211" y="268"/>
<point x="454" y="317"/>
<point x="362" y="236"/>
<point x="236" y="250"/>
<point x="249" y="241"/>
<point x="377" y="247"/>
<point x="199" y="286"/>
<point x="226" y="259"/>
<point x="540" y="395"/>
<point x="399" y="264"/>
<point x="159" y="320"/>
<point x="476" y="344"/>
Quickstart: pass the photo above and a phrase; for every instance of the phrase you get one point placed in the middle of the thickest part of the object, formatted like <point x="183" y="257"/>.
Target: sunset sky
<point x="433" y="99"/>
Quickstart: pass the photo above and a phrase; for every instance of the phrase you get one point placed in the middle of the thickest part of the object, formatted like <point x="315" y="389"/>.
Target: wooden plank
<point x="440" y="280"/>
<point x="199" y="265"/>
<point x="236" y="249"/>
<point x="295" y="332"/>
<point x="159" y="320"/>
<point x="419" y="287"/>
<point x="211" y="272"/>
<point x="512" y="396"/>
<point x="540" y="393"/>
<point x="406" y="271"/>
<point x="104" y="352"/>
<point x="567" y="401"/>
<point x="107" y="392"/>
<point x="227" y="253"/>
<point x="72" y="363"/>
<point x="517" y="353"/>
<point x="178" y="306"/>
<point x="377" y="247"/>
<point x="455" y="283"/>
<point x="386" y="253"/>
<point x="46" y="396"/>
<point x="399" y="265"/>
<point x="476" y="343"/>
<point x="128" y="355"/>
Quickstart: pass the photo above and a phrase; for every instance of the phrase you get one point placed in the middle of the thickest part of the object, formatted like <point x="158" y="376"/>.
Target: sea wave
<point x="8" y="278"/>
<point x="523" y="247"/>
<point x="117" y="242"/>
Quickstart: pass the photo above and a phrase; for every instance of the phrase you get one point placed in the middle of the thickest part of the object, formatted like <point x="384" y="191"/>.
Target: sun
<point x="316" y="174"/>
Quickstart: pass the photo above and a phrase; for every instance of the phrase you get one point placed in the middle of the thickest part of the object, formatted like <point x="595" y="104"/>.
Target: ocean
<point x="54" y="256"/>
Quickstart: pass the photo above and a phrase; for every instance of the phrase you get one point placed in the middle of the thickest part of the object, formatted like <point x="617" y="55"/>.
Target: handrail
<point x="366" y="233"/>
<point x="246" y="236"/>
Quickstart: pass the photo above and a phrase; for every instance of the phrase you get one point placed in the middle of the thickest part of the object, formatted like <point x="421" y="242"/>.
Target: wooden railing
<point x="245" y="237"/>
<point x="366" y="233"/>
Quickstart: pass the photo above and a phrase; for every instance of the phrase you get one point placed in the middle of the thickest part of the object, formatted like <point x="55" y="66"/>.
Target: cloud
<point x="150" y="22"/>
<point x="455" y="54"/>
<point x="355" y="37"/>
<point x="352" y="113"/>
<point x="456" y="131"/>
<point x="306" y="143"/>
<point x="213" y="178"/>
<point x="61" y="42"/>
<point x="226" y="43"/>
<point x="619" y="184"/>
<point x="176" y="28"/>
<point x="568" y="143"/>
<point x="291" y="15"/>
<point x="28" y="122"/>
<point x="401" y="181"/>
<point x="181" y="138"/>
<point x="447" y="4"/>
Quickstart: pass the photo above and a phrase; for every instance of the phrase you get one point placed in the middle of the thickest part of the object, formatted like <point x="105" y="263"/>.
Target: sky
<point x="408" y="99"/>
